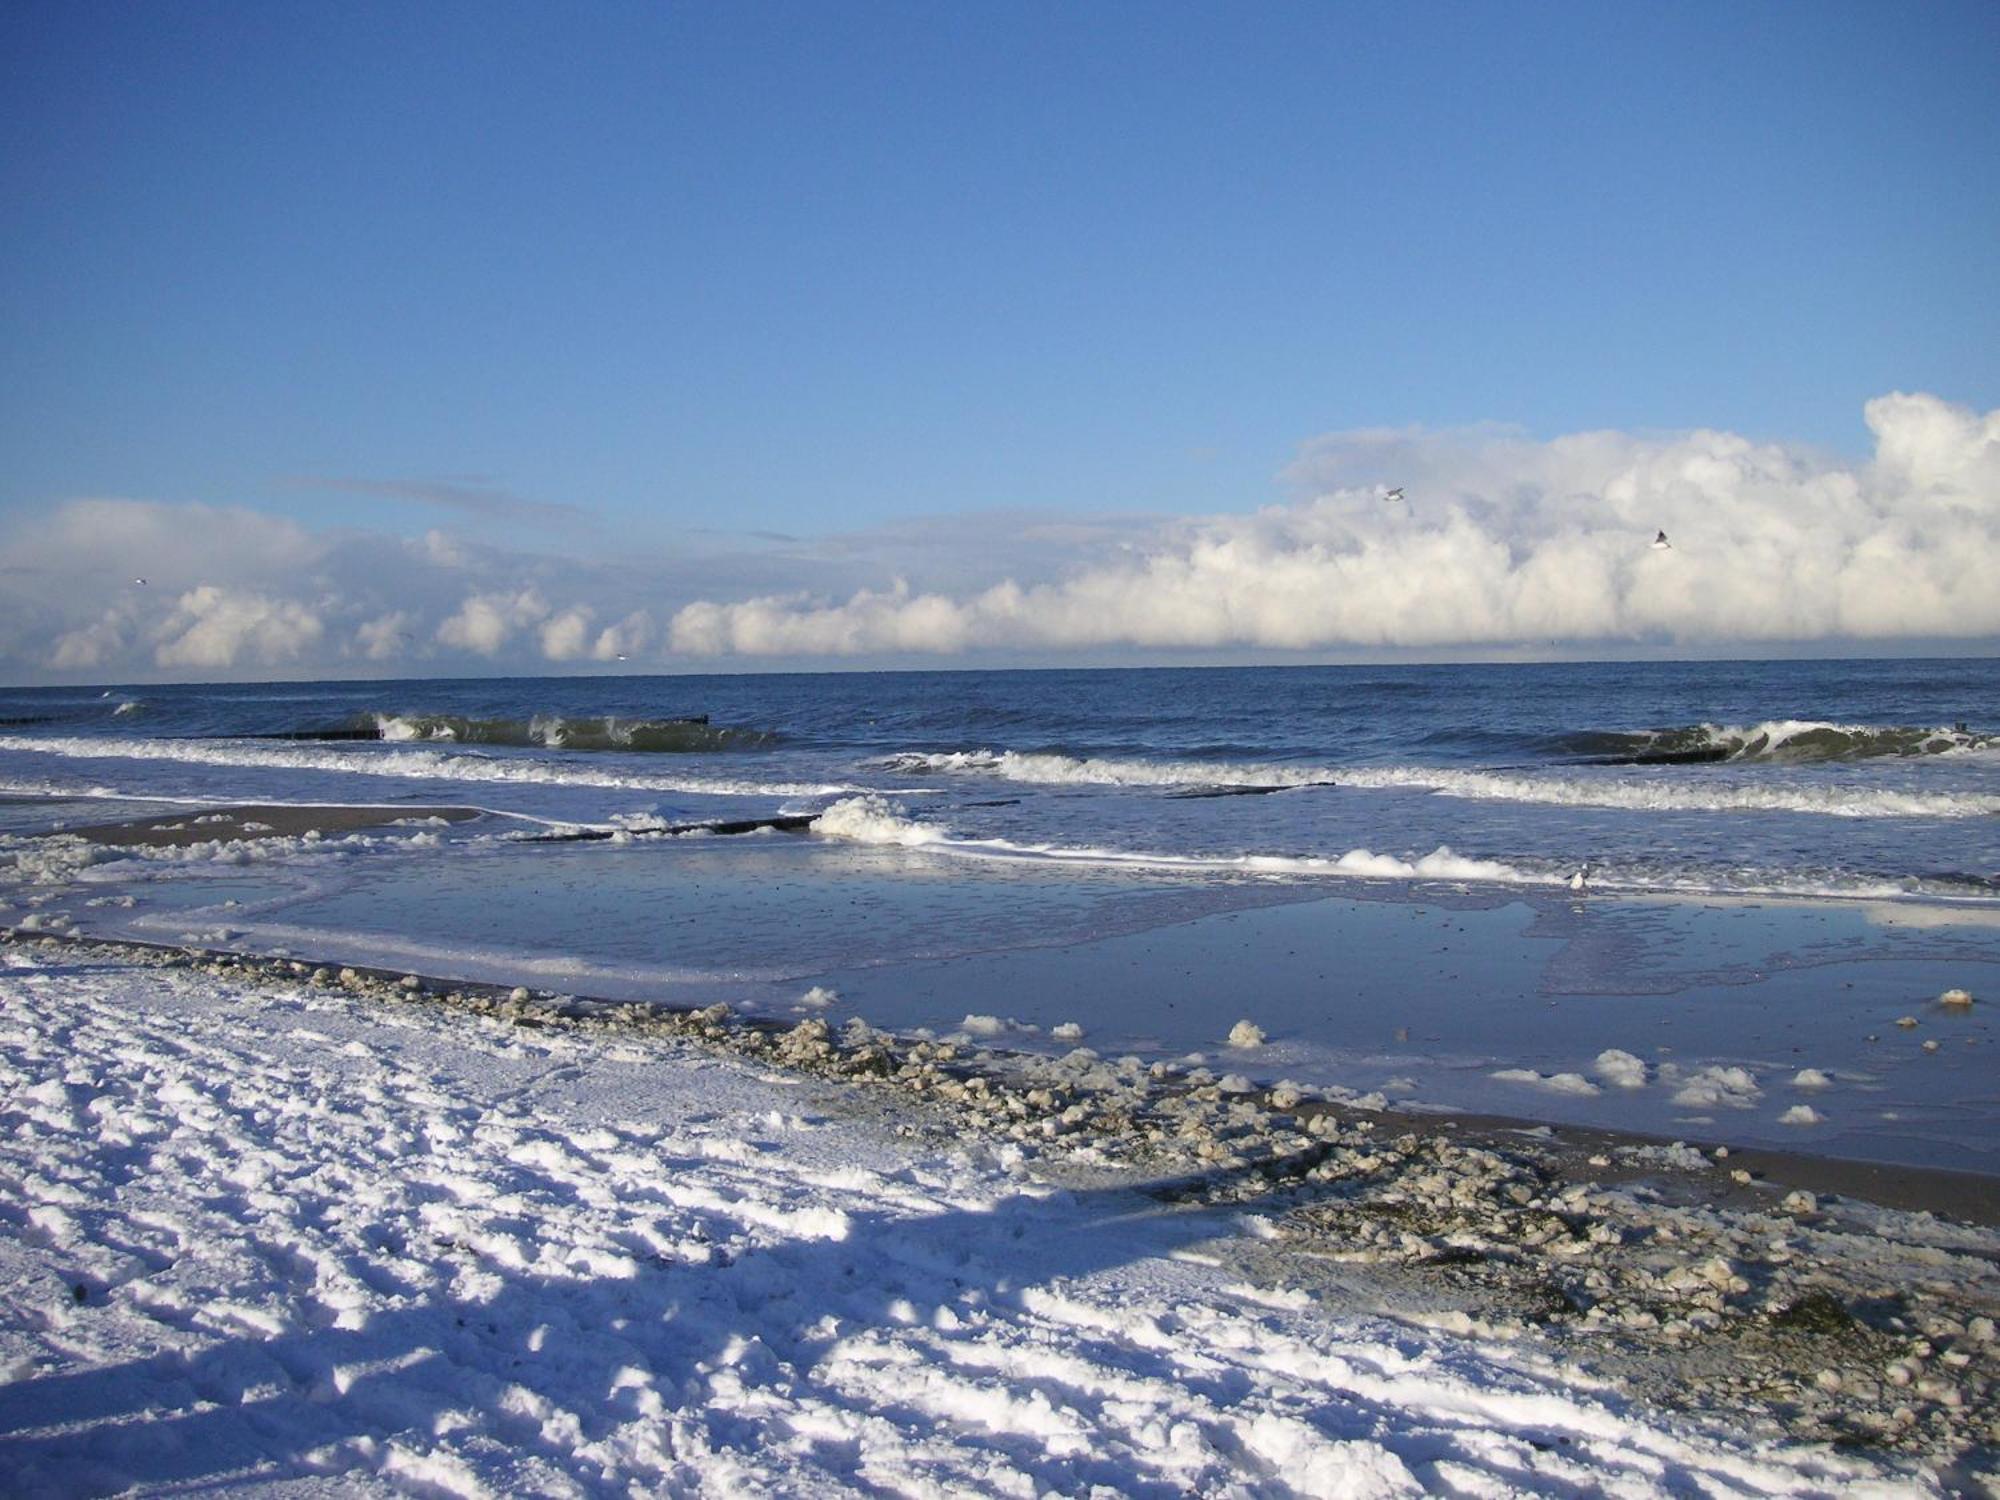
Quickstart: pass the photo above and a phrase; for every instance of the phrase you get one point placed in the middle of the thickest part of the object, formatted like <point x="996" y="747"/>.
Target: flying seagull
<point x="1660" y="542"/>
<point x="138" y="580"/>
<point x="1395" y="494"/>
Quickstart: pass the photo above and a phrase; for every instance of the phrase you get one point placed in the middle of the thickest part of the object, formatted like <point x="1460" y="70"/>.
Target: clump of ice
<point x="1955" y="997"/>
<point x="1621" y="1069"/>
<point x="819" y="997"/>
<point x="1067" y="1031"/>
<point x="976" y="1025"/>
<point x="1679" y="1155"/>
<point x="1554" y="1083"/>
<point x="1707" y="1087"/>
<point x="1246" y="1034"/>
<point x="1811" y="1078"/>
<point x="1801" y="1114"/>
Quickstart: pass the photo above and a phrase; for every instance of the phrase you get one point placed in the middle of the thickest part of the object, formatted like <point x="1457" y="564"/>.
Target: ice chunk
<point x="1621" y="1069"/>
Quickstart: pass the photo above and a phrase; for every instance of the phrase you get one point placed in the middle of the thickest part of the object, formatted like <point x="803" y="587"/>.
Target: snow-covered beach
<point x="273" y="1235"/>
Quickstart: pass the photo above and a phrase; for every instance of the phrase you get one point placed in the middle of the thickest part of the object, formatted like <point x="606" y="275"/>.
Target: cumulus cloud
<point x="1501" y="540"/>
<point x="214" y="627"/>
<point x="628" y="637"/>
<point x="128" y="588"/>
<point x="484" y="621"/>
<point x="567" y="636"/>
<point x="385" y="637"/>
<point x="103" y="640"/>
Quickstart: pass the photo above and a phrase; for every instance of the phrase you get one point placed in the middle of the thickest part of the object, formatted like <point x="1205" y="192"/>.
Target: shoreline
<point x="1729" y="1176"/>
<point x="1969" y="1195"/>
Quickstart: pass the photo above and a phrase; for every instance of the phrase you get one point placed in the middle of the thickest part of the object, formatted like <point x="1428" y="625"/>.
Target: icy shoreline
<point x="705" y="1259"/>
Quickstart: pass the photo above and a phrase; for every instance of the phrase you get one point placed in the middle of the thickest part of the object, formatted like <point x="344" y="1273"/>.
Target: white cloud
<point x="385" y="637"/>
<point x="628" y="637"/>
<point x="1501" y="540"/>
<point x="567" y="636"/>
<point x="92" y="645"/>
<point x="215" y="629"/>
<point x="484" y="621"/>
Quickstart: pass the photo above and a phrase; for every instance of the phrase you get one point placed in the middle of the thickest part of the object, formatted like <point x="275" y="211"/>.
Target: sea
<point x="1718" y="900"/>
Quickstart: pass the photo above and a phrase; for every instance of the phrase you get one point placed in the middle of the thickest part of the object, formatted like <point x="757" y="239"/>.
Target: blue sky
<point x="679" y="282"/>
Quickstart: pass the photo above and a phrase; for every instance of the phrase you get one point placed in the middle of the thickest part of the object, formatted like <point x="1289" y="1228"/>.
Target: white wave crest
<point x="1641" y="794"/>
<point x="1784" y="740"/>
<point x="1633" y="792"/>
<point x="400" y="731"/>
<point x="412" y="764"/>
<point x="874" y="820"/>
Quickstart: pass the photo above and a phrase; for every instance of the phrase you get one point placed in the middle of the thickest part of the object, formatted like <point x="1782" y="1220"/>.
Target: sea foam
<point x="1633" y="790"/>
<point x="409" y="763"/>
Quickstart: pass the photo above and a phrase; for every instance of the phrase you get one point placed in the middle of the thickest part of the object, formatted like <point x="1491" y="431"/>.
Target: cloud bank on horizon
<point x="1501" y="541"/>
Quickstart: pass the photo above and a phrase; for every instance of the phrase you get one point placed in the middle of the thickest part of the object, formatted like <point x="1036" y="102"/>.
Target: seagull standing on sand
<point x="1580" y="881"/>
<point x="1660" y="542"/>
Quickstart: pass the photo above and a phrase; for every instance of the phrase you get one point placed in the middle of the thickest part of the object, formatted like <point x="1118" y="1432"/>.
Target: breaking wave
<point x="419" y="763"/>
<point x="879" y="821"/>
<point x="1632" y="794"/>
<point x="871" y="819"/>
<point x="1786" y="741"/>
<point x="686" y="736"/>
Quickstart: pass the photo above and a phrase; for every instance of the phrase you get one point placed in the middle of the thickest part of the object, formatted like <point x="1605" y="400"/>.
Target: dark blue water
<point x="1865" y="778"/>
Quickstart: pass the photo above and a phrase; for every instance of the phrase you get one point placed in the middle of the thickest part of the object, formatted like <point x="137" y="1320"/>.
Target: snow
<point x="291" y="1241"/>
<point x="1554" y="1083"/>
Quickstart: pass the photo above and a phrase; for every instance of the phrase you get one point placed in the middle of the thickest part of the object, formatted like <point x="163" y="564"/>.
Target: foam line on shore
<point x="878" y="821"/>
<point x="418" y="764"/>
